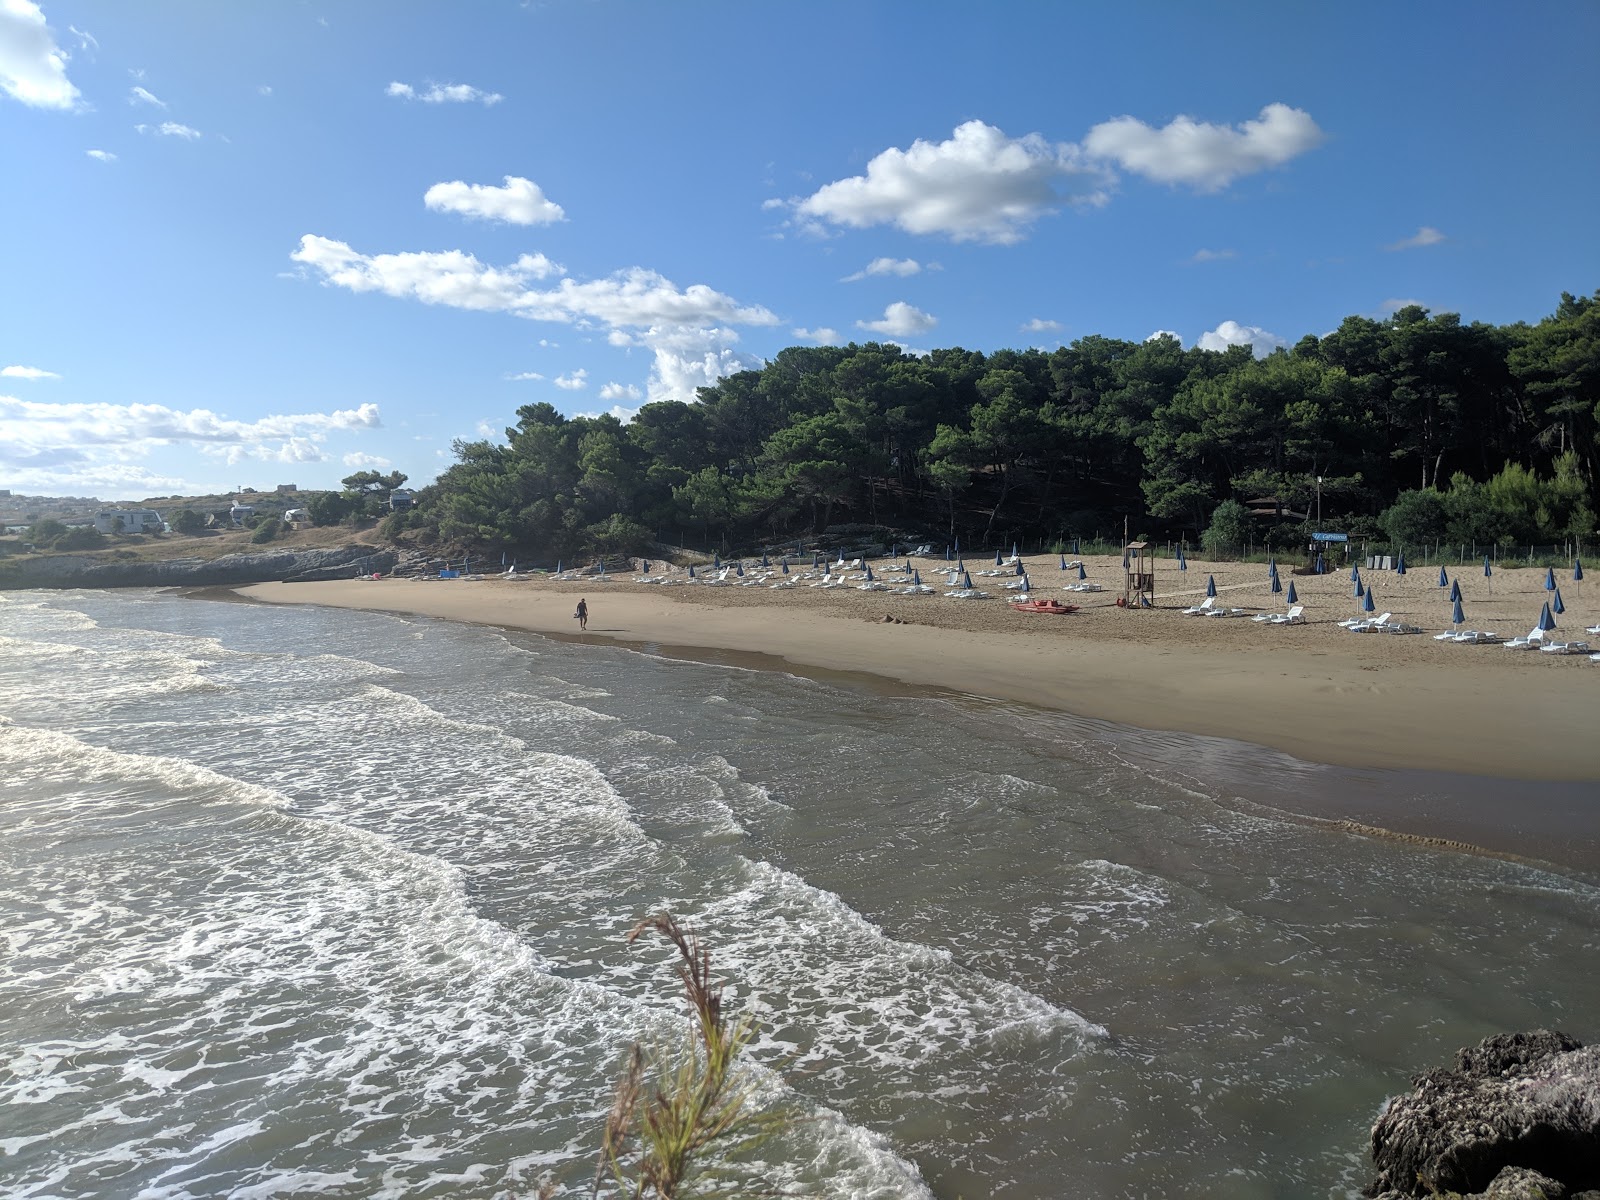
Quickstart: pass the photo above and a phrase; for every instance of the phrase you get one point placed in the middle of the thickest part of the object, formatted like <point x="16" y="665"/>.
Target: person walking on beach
<point x="582" y="614"/>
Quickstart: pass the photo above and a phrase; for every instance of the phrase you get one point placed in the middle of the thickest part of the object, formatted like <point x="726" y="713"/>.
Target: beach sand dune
<point x="1316" y="690"/>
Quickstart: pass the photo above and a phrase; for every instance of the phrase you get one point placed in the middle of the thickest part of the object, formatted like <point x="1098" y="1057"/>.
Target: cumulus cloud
<point x="630" y="298"/>
<point x="822" y="336"/>
<point x="445" y="93"/>
<point x="1391" y="306"/>
<point x="977" y="185"/>
<point x="519" y="202"/>
<point x="1042" y="325"/>
<point x="620" y="412"/>
<point x="1167" y="333"/>
<point x="102" y="155"/>
<point x="33" y="69"/>
<point x="620" y="391"/>
<point x="686" y="358"/>
<point x="576" y="381"/>
<point x="525" y="375"/>
<point x="366" y="462"/>
<point x="81" y="443"/>
<point x="1205" y="156"/>
<point x="1205" y="256"/>
<point x="139" y="95"/>
<point x="16" y="372"/>
<point x="169" y="129"/>
<point x="901" y="267"/>
<point x="1231" y="333"/>
<point x="1426" y="236"/>
<point x="900" y="320"/>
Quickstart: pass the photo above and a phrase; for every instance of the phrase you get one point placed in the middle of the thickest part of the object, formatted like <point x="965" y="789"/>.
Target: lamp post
<point x="1319" y="502"/>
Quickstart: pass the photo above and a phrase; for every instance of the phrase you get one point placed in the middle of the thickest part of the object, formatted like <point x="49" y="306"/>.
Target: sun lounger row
<point x="1295" y="616"/>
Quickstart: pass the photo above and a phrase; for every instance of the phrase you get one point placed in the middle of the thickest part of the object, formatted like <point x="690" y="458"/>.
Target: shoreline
<point x="1478" y="750"/>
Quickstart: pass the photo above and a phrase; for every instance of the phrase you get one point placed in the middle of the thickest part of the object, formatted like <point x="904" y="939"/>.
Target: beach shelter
<point x="1291" y="597"/>
<point x="1211" y="586"/>
<point x="1082" y="574"/>
<point x="1555" y="603"/>
<point x="1550" y="579"/>
<point x="1368" y="604"/>
<point x="1444" y="580"/>
<point x="1455" y="589"/>
<point x="1546" y="621"/>
<point x="1456" y="615"/>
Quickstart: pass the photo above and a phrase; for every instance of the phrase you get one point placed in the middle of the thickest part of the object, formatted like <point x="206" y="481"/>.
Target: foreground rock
<point x="88" y="571"/>
<point x="1517" y="1119"/>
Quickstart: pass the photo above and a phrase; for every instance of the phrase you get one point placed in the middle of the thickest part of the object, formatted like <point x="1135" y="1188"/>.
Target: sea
<point x="315" y="903"/>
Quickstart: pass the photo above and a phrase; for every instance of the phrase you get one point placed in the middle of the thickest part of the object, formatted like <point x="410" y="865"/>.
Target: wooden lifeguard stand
<point x="1139" y="577"/>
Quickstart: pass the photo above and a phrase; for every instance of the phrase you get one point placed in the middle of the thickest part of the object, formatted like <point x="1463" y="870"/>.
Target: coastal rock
<point x="1518" y="1116"/>
<point x="90" y="571"/>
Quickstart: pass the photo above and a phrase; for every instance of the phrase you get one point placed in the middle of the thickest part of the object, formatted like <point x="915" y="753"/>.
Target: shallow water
<point x="303" y="902"/>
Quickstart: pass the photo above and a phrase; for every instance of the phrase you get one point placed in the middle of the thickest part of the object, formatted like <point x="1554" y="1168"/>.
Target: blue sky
<point x="257" y="242"/>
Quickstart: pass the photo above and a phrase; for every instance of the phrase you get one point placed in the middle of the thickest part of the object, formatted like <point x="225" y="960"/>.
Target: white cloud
<point x="87" y="444"/>
<point x="1392" y="306"/>
<point x="625" y="415"/>
<point x="634" y="297"/>
<point x="1426" y="236"/>
<point x="519" y="202"/>
<point x="138" y="95"/>
<point x="264" y="90"/>
<point x="1042" y="325"/>
<point x="900" y="320"/>
<point x="1205" y="156"/>
<point x="978" y="185"/>
<point x="366" y="462"/>
<point x="1231" y="333"/>
<point x="901" y="267"/>
<point x="103" y="155"/>
<point x="822" y="336"/>
<point x="1167" y="333"/>
<point x="620" y="391"/>
<point x="686" y="358"/>
<point x="447" y="93"/>
<point x="574" y="382"/>
<point x="1205" y="256"/>
<point x="170" y="129"/>
<point x="33" y="69"/>
<point x="525" y="375"/>
<point x="26" y="373"/>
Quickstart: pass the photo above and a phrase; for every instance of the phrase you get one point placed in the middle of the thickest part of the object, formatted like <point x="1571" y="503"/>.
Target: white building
<point x="129" y="520"/>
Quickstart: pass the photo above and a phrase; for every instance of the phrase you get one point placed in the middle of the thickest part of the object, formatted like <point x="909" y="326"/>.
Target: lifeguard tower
<point x="1138" y="576"/>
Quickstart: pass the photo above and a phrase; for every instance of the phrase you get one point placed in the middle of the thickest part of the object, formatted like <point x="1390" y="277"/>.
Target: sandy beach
<point x="1316" y="690"/>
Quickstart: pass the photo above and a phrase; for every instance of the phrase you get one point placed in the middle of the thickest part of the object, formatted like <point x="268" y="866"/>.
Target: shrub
<point x="1415" y="518"/>
<point x="1229" y="529"/>
<point x="267" y="529"/>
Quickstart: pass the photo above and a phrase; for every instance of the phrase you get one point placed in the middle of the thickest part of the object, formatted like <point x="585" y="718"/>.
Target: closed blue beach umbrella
<point x="1360" y="590"/>
<point x="691" y="570"/>
<point x="1355" y="572"/>
<point x="785" y="565"/>
<point x="1455" y="589"/>
<point x="1487" y="569"/>
<point x="949" y="555"/>
<point x="716" y="560"/>
<point x="1400" y="565"/>
<point x="1546" y="621"/>
<point x="1368" y="604"/>
<point x="1577" y="571"/>
<point x="916" y="578"/>
<point x="869" y="572"/>
<point x="502" y="560"/>
<point x="1211" y="586"/>
<point x="1063" y="562"/>
<point x="1550" y="579"/>
<point x="1124" y="560"/>
<point x="1082" y="574"/>
<point x="1020" y="571"/>
<point x="739" y="570"/>
<point x="816" y="559"/>
<point x="1024" y="587"/>
<point x="1555" y="603"/>
<point x="1014" y="553"/>
<point x="1456" y="615"/>
<point x="1277" y="584"/>
<point x="644" y="566"/>
<point x="958" y="547"/>
<point x="1183" y="560"/>
<point x="966" y="580"/>
<point x="1444" y="580"/>
<point x="1291" y="597"/>
<point x="764" y="561"/>
<point x="998" y="558"/>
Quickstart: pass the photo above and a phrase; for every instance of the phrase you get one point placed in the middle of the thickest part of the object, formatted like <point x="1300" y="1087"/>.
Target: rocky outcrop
<point x="93" y="571"/>
<point x="1517" y="1119"/>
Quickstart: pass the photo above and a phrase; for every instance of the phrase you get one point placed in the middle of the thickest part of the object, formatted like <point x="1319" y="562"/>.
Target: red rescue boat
<point x="1044" y="606"/>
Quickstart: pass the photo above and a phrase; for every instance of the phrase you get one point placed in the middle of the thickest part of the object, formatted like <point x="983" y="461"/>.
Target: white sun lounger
<point x="1370" y="625"/>
<point x="1533" y="640"/>
<point x="1200" y="609"/>
<point x="1295" y="616"/>
<point x="1565" y="648"/>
